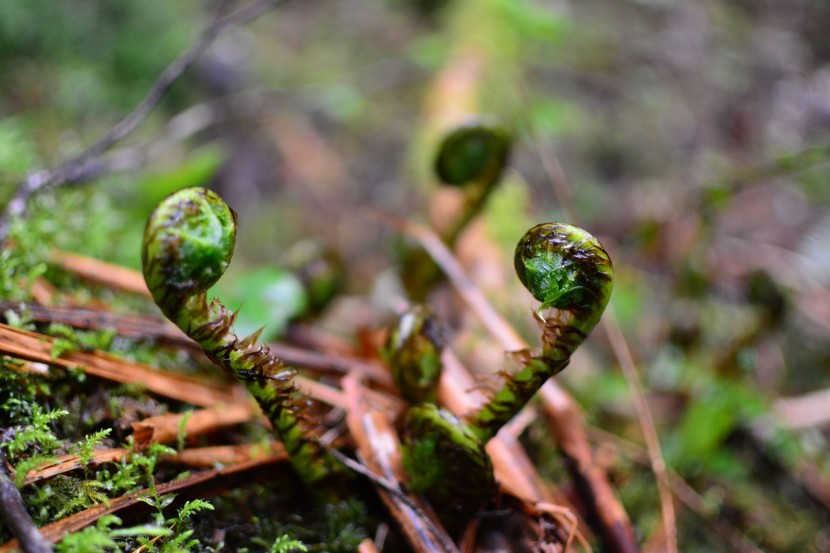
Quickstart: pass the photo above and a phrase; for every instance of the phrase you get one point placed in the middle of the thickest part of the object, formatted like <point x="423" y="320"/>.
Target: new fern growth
<point x="413" y="351"/>
<point x="439" y="447"/>
<point x="188" y="244"/>
<point x="446" y="460"/>
<point x="566" y="269"/>
<point x="472" y="157"/>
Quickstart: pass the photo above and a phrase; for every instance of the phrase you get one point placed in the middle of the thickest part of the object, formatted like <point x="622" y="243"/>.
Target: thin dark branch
<point x="393" y="489"/>
<point x="88" y="163"/>
<point x="15" y="515"/>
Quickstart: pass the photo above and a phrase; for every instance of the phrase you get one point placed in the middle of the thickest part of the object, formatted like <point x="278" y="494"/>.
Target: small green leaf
<point x="266" y="296"/>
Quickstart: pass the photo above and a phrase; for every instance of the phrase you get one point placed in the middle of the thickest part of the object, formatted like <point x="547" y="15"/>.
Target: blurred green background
<point x="694" y="136"/>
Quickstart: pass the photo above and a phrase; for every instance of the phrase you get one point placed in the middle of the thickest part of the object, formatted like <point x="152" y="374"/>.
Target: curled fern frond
<point x="188" y="244"/>
<point x="445" y="460"/>
<point x="476" y="151"/>
<point x="569" y="271"/>
<point x="413" y="350"/>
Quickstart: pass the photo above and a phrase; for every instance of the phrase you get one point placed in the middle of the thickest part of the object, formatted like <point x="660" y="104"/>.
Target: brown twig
<point x="338" y="364"/>
<point x="504" y="453"/>
<point x="68" y="463"/>
<point x="165" y="429"/>
<point x="194" y="457"/>
<point x="684" y="492"/>
<point x="394" y="490"/>
<point x="147" y="326"/>
<point x="36" y="347"/>
<point x="367" y="546"/>
<point x="180" y="127"/>
<point x="137" y="327"/>
<point x="88" y="163"/>
<point x="32" y="346"/>
<point x="224" y="455"/>
<point x="101" y="272"/>
<point x="378" y="444"/>
<point x="658" y="465"/>
<point x="15" y="515"/>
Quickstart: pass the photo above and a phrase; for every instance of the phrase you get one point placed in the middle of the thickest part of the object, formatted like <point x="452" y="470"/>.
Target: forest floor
<point x="692" y="139"/>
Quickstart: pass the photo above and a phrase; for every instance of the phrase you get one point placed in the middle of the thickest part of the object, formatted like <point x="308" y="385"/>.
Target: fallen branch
<point x="194" y="457"/>
<point x="35" y="347"/>
<point x="658" y="465"/>
<point x="378" y="445"/>
<point x="165" y="429"/>
<point x="224" y="455"/>
<point x="68" y="463"/>
<point x="149" y="327"/>
<point x="806" y="411"/>
<point x="136" y="327"/>
<point x="16" y="516"/>
<point x="100" y="272"/>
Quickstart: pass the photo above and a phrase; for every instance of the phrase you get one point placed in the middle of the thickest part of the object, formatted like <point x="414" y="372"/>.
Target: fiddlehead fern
<point x="320" y="270"/>
<point x="470" y="160"/>
<point x="568" y="270"/>
<point x="438" y="448"/>
<point x="188" y="244"/>
<point x="446" y="460"/>
<point x="413" y="351"/>
<point x="476" y="151"/>
<point x="472" y="157"/>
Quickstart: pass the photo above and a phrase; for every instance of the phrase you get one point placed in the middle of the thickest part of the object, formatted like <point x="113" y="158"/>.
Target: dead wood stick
<point x="101" y="272"/>
<point x="225" y="455"/>
<point x="32" y="346"/>
<point x="367" y="546"/>
<point x="14" y="513"/>
<point x="562" y="411"/>
<point x="88" y="163"/>
<point x="649" y="430"/>
<point x="809" y="410"/>
<point x="165" y="429"/>
<point x="68" y="463"/>
<point x="148" y="326"/>
<point x="194" y="457"/>
<point x="568" y="428"/>
<point x="137" y="327"/>
<point x="338" y="364"/>
<point x="378" y="443"/>
<point x="563" y="517"/>
<point x="36" y="347"/>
